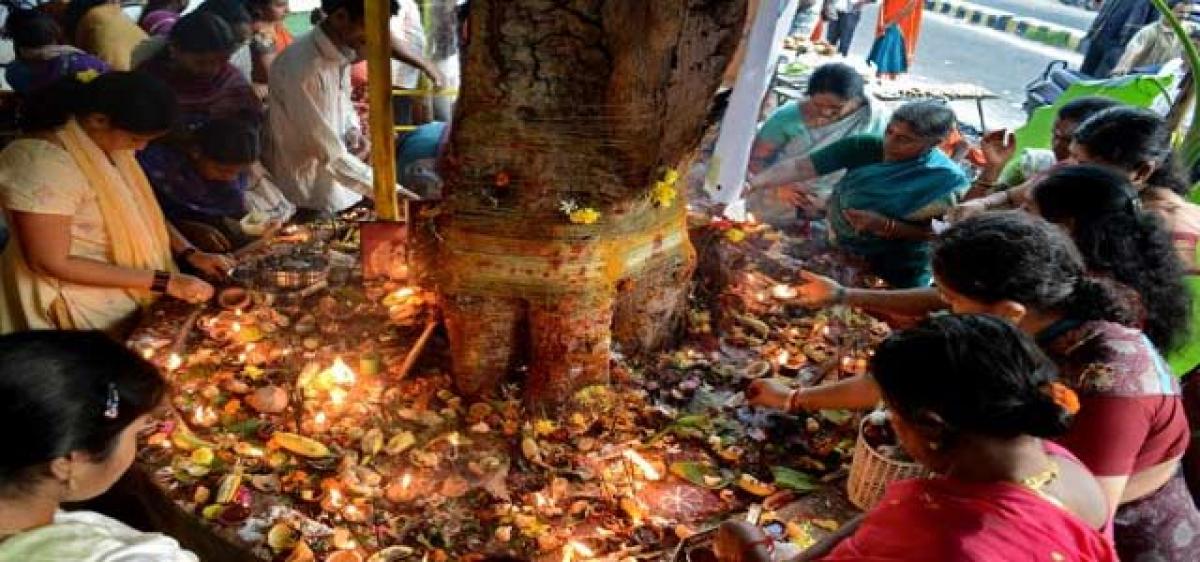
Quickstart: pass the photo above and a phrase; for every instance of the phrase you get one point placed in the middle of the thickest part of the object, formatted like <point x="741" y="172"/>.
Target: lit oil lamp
<point x="174" y="362"/>
<point x="334" y="501"/>
<point x="204" y="416"/>
<point x="320" y="422"/>
<point x="340" y="373"/>
<point x="337" y="396"/>
<point x="784" y="292"/>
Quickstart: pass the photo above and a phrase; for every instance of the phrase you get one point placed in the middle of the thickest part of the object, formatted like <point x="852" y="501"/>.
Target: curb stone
<point x="1031" y="29"/>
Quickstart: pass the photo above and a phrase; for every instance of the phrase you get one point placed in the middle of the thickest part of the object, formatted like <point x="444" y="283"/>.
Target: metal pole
<point x="379" y="89"/>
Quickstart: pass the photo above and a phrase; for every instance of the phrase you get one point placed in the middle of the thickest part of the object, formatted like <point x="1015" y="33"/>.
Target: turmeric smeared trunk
<point x="563" y="229"/>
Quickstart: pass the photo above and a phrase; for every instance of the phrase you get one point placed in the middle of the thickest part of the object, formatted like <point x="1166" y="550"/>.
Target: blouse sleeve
<point x="41" y="178"/>
<point x="781" y="126"/>
<point x="847" y="154"/>
<point x="1108" y="433"/>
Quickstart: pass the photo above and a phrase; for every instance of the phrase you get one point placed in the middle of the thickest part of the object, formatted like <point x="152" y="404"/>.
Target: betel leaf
<point x="247" y="428"/>
<point x="793" y="480"/>
<point x="701" y="474"/>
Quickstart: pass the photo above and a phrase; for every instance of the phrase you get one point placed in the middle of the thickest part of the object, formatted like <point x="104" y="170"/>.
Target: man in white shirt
<point x="315" y="144"/>
<point x="843" y="16"/>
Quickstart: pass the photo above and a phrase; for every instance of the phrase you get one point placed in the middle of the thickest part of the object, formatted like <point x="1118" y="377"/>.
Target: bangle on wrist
<point x="161" y="280"/>
<point x="793" y="405"/>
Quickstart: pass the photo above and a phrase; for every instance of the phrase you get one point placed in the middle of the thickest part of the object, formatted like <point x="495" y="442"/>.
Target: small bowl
<point x="234" y="298"/>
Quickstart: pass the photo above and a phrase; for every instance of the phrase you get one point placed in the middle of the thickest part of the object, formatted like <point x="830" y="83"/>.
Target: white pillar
<point x="731" y="157"/>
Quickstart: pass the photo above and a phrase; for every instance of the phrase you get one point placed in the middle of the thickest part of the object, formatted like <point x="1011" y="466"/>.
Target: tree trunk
<point x="584" y="102"/>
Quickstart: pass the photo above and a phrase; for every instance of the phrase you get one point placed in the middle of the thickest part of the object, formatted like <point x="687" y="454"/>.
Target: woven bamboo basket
<point x="871" y="472"/>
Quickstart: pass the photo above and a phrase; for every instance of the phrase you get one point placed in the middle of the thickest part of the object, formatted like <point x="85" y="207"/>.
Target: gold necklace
<point x="1041" y="479"/>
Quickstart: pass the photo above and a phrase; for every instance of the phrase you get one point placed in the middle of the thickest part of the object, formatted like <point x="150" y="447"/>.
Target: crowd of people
<point x="1045" y="368"/>
<point x="148" y="144"/>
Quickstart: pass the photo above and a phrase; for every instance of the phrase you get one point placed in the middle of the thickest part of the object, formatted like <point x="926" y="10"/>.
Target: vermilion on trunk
<point x="583" y="101"/>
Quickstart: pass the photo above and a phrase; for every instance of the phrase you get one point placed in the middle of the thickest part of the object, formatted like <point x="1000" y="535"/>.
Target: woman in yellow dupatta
<point x="90" y="245"/>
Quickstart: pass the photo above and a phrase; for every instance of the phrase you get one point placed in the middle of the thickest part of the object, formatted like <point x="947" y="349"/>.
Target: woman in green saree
<point x="882" y="209"/>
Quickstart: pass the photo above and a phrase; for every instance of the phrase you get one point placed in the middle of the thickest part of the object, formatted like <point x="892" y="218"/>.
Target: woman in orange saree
<point x="896" y="36"/>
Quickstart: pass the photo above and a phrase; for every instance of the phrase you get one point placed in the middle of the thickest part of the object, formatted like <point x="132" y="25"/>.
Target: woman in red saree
<point x="975" y="401"/>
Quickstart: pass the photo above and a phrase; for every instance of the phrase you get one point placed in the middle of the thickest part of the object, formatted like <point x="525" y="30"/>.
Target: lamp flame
<point x="784" y="292"/>
<point x="783" y="357"/>
<point x="341" y="373"/>
<point x="174" y="362"/>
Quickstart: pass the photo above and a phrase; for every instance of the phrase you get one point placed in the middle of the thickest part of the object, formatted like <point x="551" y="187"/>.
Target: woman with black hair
<point x="1137" y="142"/>
<point x="196" y="67"/>
<point x="882" y="210"/>
<point x="202" y="181"/>
<point x="1001" y="186"/>
<point x="975" y="401"/>
<point x="101" y="28"/>
<point x="41" y="57"/>
<point x="90" y="245"/>
<point x="80" y="399"/>
<point x="835" y="106"/>
<point x="1131" y="430"/>
<point x="1101" y="211"/>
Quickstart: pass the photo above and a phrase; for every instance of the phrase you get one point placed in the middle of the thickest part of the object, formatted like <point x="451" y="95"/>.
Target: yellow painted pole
<point x="379" y="89"/>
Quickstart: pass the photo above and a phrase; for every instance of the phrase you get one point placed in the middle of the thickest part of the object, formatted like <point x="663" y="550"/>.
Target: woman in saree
<point x="1131" y="430"/>
<point x="974" y="400"/>
<point x="883" y="207"/>
<point x="896" y="37"/>
<point x="90" y="246"/>
<point x="196" y="67"/>
<point x="209" y="181"/>
<point x="834" y="107"/>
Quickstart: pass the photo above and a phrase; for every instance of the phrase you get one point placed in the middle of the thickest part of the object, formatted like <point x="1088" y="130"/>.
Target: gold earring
<point x="934" y="445"/>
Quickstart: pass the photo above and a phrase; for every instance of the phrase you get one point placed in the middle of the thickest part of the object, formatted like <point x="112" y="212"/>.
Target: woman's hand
<point x="966" y="210"/>
<point x="868" y="222"/>
<point x="769" y="393"/>
<point x="800" y="197"/>
<point x="998" y="148"/>
<point x="216" y="266"/>
<point x="188" y="288"/>
<point x="817" y="290"/>
<point x="739" y="541"/>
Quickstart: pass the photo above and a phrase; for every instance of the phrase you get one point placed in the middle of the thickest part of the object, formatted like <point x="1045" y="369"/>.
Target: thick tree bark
<point x="581" y="101"/>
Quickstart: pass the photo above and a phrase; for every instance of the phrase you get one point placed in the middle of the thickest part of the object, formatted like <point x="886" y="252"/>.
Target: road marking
<point x="1073" y="58"/>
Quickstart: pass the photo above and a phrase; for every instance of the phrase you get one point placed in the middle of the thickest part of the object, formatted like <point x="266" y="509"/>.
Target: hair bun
<point x="1044" y="417"/>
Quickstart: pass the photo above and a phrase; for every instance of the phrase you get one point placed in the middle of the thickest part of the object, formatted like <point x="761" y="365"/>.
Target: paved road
<point x="952" y="52"/>
<point x="1051" y="11"/>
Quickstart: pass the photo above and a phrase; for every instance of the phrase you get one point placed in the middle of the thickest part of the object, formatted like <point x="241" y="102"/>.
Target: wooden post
<point x="379" y="89"/>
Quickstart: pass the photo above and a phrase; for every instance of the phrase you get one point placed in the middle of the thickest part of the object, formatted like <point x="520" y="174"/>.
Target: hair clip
<point x="112" y="404"/>
<point x="86" y="76"/>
